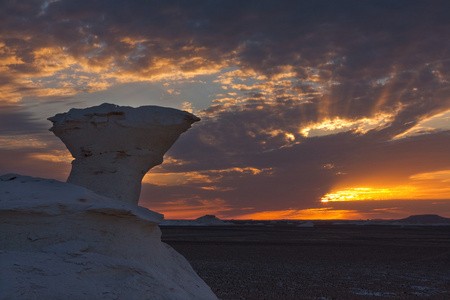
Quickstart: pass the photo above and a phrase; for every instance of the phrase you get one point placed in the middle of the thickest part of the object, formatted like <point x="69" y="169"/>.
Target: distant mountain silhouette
<point x="425" y="219"/>
<point x="209" y="220"/>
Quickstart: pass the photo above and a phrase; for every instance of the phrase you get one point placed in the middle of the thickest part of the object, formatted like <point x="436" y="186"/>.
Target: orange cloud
<point x="200" y="178"/>
<point x="21" y="142"/>
<point x="174" y="69"/>
<point x="337" y="124"/>
<point x="430" y="185"/>
<point x="304" y="214"/>
<point x="441" y="176"/>
<point x="54" y="156"/>
<point x="190" y="208"/>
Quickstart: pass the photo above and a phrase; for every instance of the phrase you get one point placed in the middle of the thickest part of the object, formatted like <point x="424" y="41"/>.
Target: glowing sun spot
<point x="366" y="193"/>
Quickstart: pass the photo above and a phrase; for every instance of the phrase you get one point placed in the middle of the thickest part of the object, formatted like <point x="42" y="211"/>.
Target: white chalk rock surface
<point x="114" y="146"/>
<point x="62" y="241"/>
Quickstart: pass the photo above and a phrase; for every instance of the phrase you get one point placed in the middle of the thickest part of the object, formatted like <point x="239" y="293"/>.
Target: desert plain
<point x="283" y="261"/>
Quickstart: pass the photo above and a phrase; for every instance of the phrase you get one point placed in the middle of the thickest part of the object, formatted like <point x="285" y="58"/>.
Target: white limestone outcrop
<point x="114" y="146"/>
<point x="62" y="241"/>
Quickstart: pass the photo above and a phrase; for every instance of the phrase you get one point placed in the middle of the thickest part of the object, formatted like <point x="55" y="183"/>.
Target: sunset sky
<point x="310" y="109"/>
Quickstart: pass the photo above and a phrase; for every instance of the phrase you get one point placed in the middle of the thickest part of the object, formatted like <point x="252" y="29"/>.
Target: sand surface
<point x="324" y="262"/>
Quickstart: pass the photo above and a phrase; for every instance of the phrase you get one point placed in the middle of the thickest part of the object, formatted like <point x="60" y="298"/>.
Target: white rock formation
<point x="62" y="241"/>
<point x="114" y="146"/>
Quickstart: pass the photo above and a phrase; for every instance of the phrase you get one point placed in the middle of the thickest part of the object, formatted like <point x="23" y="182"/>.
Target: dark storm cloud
<point x="13" y="120"/>
<point x="350" y="36"/>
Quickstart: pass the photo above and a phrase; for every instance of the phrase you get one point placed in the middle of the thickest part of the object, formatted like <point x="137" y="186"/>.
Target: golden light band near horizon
<point x="368" y="193"/>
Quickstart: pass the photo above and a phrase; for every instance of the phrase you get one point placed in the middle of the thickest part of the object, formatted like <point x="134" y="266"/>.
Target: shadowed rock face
<point x="114" y="146"/>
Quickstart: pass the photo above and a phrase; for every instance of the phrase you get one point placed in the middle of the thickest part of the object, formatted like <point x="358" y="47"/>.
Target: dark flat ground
<point x="324" y="262"/>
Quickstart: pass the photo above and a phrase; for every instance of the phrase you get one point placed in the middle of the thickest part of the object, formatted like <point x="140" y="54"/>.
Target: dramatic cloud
<point x="298" y="99"/>
<point x="300" y="175"/>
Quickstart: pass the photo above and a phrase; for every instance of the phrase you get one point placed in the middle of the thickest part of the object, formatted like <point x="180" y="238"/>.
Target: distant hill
<point x="207" y="220"/>
<point x="425" y="219"/>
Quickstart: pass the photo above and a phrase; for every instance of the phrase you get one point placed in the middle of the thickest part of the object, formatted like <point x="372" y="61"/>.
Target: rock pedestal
<point x="114" y="146"/>
<point x="62" y="241"/>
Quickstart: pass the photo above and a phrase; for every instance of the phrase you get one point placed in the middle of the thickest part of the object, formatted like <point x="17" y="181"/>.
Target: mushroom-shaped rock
<point x="114" y="146"/>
